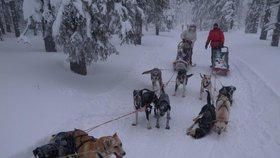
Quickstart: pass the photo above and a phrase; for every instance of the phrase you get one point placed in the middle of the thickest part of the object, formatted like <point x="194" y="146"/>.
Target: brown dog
<point x="222" y="114"/>
<point x="103" y="147"/>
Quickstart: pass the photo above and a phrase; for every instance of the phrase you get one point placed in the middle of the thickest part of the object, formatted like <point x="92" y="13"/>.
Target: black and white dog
<point x="142" y="102"/>
<point x="228" y="92"/>
<point x="205" y="120"/>
<point x="155" y="77"/>
<point x="182" y="77"/>
<point x="163" y="107"/>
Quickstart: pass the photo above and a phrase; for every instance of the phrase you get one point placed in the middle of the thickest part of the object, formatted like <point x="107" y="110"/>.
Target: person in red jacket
<point x="216" y="37"/>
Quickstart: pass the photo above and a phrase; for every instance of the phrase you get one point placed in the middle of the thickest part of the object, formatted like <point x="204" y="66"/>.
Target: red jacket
<point x="216" y="37"/>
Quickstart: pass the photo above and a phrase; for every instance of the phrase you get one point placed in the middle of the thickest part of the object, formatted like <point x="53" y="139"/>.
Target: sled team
<point x="78" y="143"/>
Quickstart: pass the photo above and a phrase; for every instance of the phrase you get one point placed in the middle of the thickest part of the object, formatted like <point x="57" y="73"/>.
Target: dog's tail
<point x="147" y="72"/>
<point x="190" y="75"/>
<point x="208" y="98"/>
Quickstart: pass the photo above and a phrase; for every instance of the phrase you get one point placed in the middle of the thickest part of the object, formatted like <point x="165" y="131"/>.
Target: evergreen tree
<point x="40" y="11"/>
<point x="266" y="20"/>
<point x="84" y="29"/>
<point x="253" y="17"/>
<point x="154" y="12"/>
<point x="7" y="16"/>
<point x="276" y="31"/>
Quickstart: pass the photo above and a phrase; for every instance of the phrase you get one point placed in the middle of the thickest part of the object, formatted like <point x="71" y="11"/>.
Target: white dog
<point x="206" y="84"/>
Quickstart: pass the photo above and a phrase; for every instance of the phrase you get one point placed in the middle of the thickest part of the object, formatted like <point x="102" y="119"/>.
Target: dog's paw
<point x="157" y="126"/>
<point x="200" y="98"/>
<point x="149" y="127"/>
<point x="174" y="94"/>
<point x="183" y="96"/>
<point x="133" y="124"/>
<point x="167" y="127"/>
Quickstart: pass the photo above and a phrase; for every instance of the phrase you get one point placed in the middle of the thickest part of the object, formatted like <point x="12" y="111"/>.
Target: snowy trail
<point x="253" y="130"/>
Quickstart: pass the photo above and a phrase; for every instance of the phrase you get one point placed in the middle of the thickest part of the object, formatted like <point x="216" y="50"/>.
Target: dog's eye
<point x="115" y="147"/>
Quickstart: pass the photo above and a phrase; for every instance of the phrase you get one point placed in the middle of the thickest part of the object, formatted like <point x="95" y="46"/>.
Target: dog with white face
<point x="206" y="84"/>
<point x="155" y="77"/>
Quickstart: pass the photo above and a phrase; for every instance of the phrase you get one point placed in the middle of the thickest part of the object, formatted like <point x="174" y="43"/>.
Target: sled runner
<point x="184" y="50"/>
<point x="221" y="65"/>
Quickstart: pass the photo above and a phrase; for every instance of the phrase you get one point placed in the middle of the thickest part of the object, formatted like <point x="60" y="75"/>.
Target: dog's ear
<point x="226" y="122"/>
<point x="115" y="135"/>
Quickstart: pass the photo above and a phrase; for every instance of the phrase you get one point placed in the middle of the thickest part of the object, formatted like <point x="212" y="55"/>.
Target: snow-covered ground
<point x="39" y="96"/>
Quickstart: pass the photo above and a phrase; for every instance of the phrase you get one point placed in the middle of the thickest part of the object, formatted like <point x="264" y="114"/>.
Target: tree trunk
<point x="138" y="29"/>
<point x="7" y="16"/>
<point x="79" y="68"/>
<point x="266" y="20"/>
<point x="47" y="35"/>
<point x="2" y="26"/>
<point x="157" y="30"/>
<point x="276" y="31"/>
<point x="15" y="17"/>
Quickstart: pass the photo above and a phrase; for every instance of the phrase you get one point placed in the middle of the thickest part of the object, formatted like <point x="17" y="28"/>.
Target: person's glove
<point x="206" y="45"/>
<point x="222" y="45"/>
<point x="184" y="40"/>
<point x="189" y="41"/>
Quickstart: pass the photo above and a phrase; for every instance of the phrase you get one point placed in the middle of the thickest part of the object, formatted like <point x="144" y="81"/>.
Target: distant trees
<point x="223" y="12"/>
<point x="252" y="20"/>
<point x="154" y="11"/>
<point x="10" y="16"/>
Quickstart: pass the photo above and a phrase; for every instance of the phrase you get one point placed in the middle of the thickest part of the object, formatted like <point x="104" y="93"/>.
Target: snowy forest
<point x="124" y="70"/>
<point x="83" y="28"/>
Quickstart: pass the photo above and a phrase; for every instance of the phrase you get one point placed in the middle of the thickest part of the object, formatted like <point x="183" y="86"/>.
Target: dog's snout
<point x="123" y="153"/>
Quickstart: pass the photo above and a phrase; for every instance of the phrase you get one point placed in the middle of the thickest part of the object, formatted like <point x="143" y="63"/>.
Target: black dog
<point x="205" y="120"/>
<point x="163" y="107"/>
<point x="142" y="102"/>
<point x="228" y="92"/>
<point x="182" y="78"/>
<point x="61" y="144"/>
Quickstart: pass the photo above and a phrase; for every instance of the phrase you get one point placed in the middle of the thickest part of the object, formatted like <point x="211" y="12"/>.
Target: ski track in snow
<point x="252" y="116"/>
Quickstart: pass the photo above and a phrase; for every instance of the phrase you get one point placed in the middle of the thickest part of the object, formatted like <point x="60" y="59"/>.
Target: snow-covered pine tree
<point x="206" y="13"/>
<point x="40" y="11"/>
<point x="154" y="11"/>
<point x="85" y="27"/>
<point x="276" y="31"/>
<point x="266" y="20"/>
<point x="253" y="17"/>
<point x="228" y="15"/>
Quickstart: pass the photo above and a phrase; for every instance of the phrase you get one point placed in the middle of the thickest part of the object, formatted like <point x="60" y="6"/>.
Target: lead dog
<point x="155" y="77"/>
<point x="206" y="84"/>
<point x="79" y="143"/>
<point x="142" y="102"/>
<point x="182" y="77"/>
<point x="205" y="120"/>
<point x="163" y="107"/>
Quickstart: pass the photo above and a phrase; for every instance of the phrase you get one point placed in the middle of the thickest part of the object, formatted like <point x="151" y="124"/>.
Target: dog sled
<point x="184" y="52"/>
<point x="221" y="65"/>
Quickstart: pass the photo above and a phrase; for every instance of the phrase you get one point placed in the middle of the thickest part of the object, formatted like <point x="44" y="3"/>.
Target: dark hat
<point x="216" y="25"/>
